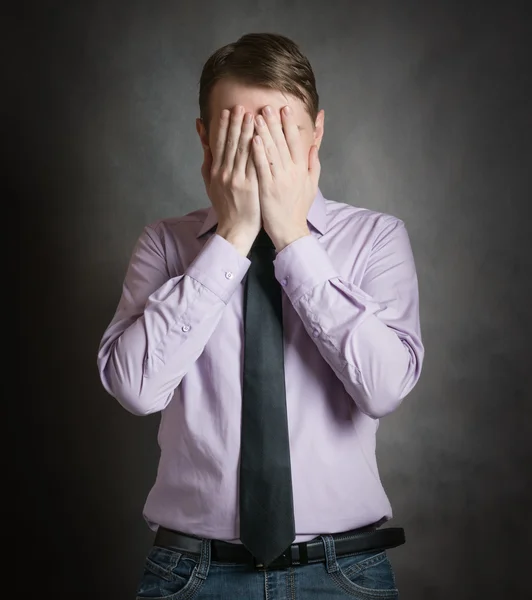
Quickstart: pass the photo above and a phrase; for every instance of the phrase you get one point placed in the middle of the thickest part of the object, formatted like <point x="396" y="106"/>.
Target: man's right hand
<point x="231" y="179"/>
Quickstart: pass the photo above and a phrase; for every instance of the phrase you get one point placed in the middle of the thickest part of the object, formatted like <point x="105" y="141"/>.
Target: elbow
<point x="130" y="392"/>
<point x="130" y="398"/>
<point x="133" y="401"/>
<point x="380" y="400"/>
<point x="379" y="405"/>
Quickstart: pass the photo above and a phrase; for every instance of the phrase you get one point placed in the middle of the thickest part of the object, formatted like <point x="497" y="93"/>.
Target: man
<point x="272" y="332"/>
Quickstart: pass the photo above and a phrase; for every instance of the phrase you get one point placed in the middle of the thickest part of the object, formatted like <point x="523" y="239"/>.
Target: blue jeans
<point x="171" y="575"/>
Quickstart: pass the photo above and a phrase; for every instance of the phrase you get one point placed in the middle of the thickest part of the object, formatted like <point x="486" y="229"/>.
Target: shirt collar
<point x="317" y="216"/>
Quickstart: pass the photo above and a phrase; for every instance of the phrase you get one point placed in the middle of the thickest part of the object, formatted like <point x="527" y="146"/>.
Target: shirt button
<point x="229" y="275"/>
<point x="316" y="333"/>
<point x="185" y="328"/>
<point x="284" y="282"/>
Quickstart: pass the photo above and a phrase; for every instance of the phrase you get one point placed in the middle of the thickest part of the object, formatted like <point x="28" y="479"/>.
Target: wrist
<point x="283" y="239"/>
<point x="239" y="237"/>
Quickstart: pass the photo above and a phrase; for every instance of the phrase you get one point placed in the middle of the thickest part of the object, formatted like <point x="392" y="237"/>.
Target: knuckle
<point x="237" y="182"/>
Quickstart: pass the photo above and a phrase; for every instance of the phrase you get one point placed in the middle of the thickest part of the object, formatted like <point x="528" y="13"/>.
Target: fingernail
<point x="247" y="118"/>
<point x="287" y="110"/>
<point x="260" y="121"/>
<point x="267" y="110"/>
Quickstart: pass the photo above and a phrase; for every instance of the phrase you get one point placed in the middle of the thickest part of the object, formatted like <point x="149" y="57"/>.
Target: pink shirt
<point x="353" y="351"/>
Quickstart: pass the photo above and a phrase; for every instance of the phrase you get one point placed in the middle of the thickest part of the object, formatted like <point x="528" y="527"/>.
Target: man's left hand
<point x="288" y="177"/>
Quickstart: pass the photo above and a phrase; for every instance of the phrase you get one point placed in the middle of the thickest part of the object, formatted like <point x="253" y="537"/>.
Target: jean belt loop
<point x="205" y="559"/>
<point x="330" y="554"/>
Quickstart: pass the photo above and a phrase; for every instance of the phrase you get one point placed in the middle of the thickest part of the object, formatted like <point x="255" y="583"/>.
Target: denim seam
<point x="360" y="567"/>
<point x="167" y="572"/>
<point x="338" y="576"/>
<point x="331" y="562"/>
<point x="198" y="577"/>
<point x="355" y="590"/>
<point x="266" y="586"/>
<point x="292" y="582"/>
<point x="191" y="588"/>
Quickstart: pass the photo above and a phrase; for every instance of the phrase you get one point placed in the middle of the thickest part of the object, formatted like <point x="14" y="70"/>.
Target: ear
<point x="319" y="128"/>
<point x="203" y="135"/>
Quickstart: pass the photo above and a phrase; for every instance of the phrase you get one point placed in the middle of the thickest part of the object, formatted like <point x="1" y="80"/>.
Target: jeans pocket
<point x="168" y="575"/>
<point x="367" y="576"/>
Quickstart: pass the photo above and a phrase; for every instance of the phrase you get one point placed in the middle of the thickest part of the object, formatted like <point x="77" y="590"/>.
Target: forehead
<point x="227" y="93"/>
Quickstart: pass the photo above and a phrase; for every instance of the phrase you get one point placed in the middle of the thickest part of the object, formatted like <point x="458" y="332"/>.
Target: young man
<point x="272" y="331"/>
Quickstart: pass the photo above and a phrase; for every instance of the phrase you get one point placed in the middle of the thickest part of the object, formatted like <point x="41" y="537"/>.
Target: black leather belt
<point x="365" y="539"/>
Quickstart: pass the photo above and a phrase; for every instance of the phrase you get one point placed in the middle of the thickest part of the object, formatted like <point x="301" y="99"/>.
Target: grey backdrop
<point x="427" y="117"/>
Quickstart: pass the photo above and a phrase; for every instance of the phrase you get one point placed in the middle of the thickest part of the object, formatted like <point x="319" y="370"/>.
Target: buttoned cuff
<point x="301" y="266"/>
<point x="219" y="267"/>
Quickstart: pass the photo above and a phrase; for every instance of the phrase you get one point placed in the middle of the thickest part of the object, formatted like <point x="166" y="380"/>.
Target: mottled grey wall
<point x="427" y="117"/>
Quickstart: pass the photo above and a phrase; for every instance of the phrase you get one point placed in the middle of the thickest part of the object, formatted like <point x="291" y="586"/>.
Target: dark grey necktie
<point x="266" y="504"/>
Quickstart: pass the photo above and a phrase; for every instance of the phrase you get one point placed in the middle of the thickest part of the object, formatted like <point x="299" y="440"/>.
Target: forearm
<point x="377" y="366"/>
<point x="146" y="360"/>
<point x="373" y="345"/>
<point x="144" y="354"/>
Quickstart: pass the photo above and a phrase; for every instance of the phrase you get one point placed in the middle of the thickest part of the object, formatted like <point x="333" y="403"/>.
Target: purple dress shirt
<point x="353" y="351"/>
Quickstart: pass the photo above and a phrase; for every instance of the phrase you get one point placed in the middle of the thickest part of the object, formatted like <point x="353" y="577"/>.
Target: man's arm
<point x="369" y="335"/>
<point x="162" y="323"/>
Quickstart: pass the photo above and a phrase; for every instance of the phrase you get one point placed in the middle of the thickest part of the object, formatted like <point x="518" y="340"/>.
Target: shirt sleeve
<point x="163" y="323"/>
<point x="369" y="334"/>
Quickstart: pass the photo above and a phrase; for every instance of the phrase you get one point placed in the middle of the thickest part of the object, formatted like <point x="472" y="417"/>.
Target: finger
<point x="233" y="135"/>
<point x="292" y="136"/>
<point x="251" y="170"/>
<point x="243" y="150"/>
<point x="262" y="166"/>
<point x="220" y="137"/>
<point x="275" y="128"/>
<point x="269" y="148"/>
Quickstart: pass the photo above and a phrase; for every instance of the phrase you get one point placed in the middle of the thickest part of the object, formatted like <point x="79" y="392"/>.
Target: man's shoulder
<point x="187" y="224"/>
<point x="350" y="215"/>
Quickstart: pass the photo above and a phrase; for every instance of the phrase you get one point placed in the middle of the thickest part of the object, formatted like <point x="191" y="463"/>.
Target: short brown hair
<point x="267" y="60"/>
